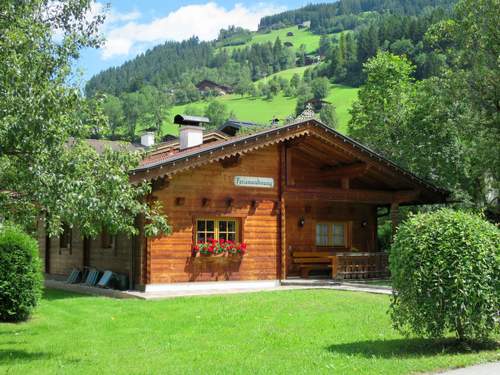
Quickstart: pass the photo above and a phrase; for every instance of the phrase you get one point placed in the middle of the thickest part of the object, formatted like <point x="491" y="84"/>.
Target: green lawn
<point x="286" y="332"/>
<point x="261" y="110"/>
<point x="371" y="282"/>
<point x="302" y="36"/>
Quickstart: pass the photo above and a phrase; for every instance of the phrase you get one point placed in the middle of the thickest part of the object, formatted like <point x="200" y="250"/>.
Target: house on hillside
<point x="317" y="104"/>
<point x="312" y="59"/>
<point x="297" y="200"/>
<point x="232" y="126"/>
<point x="207" y="86"/>
<point x="304" y="25"/>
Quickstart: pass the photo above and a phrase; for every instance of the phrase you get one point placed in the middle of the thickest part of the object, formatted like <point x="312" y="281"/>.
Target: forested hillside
<point x="344" y="15"/>
<point x="330" y="42"/>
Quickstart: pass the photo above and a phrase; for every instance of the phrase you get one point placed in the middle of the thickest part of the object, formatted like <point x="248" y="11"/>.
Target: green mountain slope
<point x="300" y="36"/>
<point x="350" y="33"/>
<point x="261" y="110"/>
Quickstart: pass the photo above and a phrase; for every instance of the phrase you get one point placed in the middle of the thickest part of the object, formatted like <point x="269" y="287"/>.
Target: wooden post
<point x="344" y="182"/>
<point x="86" y="252"/>
<point x="282" y="227"/>
<point x="335" y="267"/>
<point x="47" y="244"/>
<point x="289" y="177"/>
<point x="394" y="217"/>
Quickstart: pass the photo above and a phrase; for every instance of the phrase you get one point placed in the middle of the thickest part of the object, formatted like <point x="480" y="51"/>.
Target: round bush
<point x="20" y="274"/>
<point x="445" y="270"/>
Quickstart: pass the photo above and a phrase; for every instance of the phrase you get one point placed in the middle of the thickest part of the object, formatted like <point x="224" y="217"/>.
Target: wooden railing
<point x="359" y="265"/>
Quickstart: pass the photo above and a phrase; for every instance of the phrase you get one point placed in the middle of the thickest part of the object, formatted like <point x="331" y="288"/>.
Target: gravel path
<point x="483" y="369"/>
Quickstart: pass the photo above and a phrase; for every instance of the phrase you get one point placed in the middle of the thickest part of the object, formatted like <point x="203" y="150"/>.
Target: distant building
<point x="231" y="126"/>
<point x="206" y="86"/>
<point x="312" y="59"/>
<point x="317" y="104"/>
<point x="304" y="25"/>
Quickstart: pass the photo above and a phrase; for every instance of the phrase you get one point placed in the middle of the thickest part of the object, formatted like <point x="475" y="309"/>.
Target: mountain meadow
<point x="311" y="55"/>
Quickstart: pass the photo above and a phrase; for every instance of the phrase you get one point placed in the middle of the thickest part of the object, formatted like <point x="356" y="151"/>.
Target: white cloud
<point x="96" y="8"/>
<point x="204" y="21"/>
<point x="112" y="16"/>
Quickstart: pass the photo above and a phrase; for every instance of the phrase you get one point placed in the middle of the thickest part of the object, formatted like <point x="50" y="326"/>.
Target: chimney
<point x="191" y="131"/>
<point x="190" y="136"/>
<point x="148" y="139"/>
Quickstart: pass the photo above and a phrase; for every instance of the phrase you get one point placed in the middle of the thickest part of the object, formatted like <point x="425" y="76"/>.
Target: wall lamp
<point x="302" y="221"/>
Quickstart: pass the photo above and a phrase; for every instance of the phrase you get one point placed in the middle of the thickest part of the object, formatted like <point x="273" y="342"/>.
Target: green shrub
<point x="384" y="236"/>
<point x="445" y="270"/>
<point x="20" y="274"/>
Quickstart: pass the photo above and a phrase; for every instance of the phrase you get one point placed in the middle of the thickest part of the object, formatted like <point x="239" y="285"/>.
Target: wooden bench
<point x="308" y="261"/>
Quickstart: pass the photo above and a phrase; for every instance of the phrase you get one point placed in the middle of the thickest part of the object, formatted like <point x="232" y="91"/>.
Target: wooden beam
<point x="344" y="183"/>
<point x="349" y="170"/>
<point x="289" y="176"/>
<point x="394" y="217"/>
<point x="230" y="162"/>
<point x="281" y="261"/>
<point x="344" y="195"/>
<point x="323" y="154"/>
<point x="406" y="195"/>
<point x="160" y="183"/>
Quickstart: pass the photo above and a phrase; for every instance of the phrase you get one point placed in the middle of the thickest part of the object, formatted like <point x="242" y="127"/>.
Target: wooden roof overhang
<point x="323" y="144"/>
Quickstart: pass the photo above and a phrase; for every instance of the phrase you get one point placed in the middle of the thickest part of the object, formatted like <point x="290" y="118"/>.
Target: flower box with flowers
<point x="219" y="248"/>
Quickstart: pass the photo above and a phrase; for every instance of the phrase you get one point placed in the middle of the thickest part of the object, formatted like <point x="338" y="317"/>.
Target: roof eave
<point x="160" y="164"/>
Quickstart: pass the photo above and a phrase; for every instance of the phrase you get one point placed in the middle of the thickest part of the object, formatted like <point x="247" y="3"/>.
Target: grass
<point x="287" y="74"/>
<point x="261" y="110"/>
<point x="302" y="36"/>
<point x="380" y="282"/>
<point x="285" y="332"/>
<point x="342" y="97"/>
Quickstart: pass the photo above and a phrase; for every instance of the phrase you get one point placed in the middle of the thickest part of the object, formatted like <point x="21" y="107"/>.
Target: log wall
<point x="63" y="260"/>
<point x="210" y="192"/>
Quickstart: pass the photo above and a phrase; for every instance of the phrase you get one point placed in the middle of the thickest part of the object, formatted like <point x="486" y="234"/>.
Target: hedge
<point x="20" y="274"/>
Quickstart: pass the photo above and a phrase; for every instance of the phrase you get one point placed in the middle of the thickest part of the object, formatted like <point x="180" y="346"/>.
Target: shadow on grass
<point x="405" y="348"/>
<point x="56" y="294"/>
<point x="7" y="356"/>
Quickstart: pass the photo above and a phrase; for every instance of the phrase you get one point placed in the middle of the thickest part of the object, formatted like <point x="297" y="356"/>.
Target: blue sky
<point x="133" y="26"/>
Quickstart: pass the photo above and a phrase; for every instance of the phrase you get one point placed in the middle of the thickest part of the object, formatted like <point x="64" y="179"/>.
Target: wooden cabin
<point x="302" y="196"/>
<point x="317" y="104"/>
<point x="207" y="86"/>
<point x="312" y="59"/>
